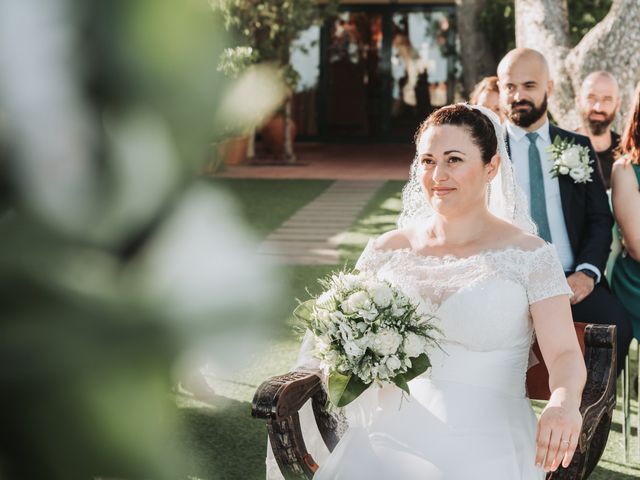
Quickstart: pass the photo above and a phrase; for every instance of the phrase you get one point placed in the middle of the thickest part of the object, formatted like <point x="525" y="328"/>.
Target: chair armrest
<point x="283" y="395"/>
<point x="278" y="401"/>
<point x="599" y="394"/>
<point x="598" y="402"/>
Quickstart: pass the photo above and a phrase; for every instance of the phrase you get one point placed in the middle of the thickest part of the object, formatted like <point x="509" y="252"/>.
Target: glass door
<point x="383" y="70"/>
<point x="421" y="68"/>
<point x="353" y="79"/>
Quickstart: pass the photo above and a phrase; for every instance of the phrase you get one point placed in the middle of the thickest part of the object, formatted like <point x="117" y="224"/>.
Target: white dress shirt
<point x="519" y="145"/>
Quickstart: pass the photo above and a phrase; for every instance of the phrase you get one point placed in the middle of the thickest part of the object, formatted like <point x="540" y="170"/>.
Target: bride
<point x="466" y="248"/>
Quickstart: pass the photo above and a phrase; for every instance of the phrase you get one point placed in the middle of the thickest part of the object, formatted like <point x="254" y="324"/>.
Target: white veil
<point x="506" y="199"/>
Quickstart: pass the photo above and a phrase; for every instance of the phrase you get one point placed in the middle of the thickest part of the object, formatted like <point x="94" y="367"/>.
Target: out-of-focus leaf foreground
<point x="117" y="265"/>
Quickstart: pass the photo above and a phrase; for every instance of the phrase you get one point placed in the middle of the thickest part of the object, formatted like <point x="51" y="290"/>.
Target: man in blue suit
<point x="571" y="213"/>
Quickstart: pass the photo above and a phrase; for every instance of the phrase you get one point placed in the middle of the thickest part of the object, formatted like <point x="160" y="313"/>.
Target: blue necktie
<point x="536" y="190"/>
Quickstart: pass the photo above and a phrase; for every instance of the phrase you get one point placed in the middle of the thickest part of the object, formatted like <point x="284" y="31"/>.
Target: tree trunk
<point x="477" y="58"/>
<point x="611" y="45"/>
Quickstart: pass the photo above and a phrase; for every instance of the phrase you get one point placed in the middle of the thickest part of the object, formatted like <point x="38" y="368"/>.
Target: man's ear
<point x="550" y="87"/>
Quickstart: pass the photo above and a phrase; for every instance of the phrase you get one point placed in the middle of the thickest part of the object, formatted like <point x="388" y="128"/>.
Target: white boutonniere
<point x="570" y="159"/>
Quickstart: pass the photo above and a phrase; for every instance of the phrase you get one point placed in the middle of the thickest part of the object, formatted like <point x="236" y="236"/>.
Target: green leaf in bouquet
<point x="304" y="310"/>
<point x="401" y="382"/>
<point x="419" y="365"/>
<point x="344" y="389"/>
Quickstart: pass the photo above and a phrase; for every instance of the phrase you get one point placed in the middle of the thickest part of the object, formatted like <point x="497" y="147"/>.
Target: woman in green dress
<point x="625" y="186"/>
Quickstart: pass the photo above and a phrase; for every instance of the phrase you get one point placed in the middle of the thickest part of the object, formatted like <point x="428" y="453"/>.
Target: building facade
<point x="374" y="71"/>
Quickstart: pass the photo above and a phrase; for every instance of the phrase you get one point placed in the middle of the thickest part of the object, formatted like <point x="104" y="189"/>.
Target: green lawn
<point x="226" y="443"/>
<point x="265" y="204"/>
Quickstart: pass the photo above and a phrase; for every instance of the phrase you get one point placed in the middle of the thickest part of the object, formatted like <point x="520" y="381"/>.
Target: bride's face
<point x="454" y="177"/>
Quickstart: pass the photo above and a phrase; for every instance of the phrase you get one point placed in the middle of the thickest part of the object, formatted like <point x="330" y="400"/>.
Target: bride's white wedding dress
<point x="468" y="416"/>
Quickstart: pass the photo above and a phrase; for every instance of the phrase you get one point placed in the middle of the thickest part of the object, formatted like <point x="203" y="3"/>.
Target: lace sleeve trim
<point x="546" y="275"/>
<point x="370" y="258"/>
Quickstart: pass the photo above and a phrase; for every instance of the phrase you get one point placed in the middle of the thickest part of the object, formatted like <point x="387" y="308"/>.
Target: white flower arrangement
<point x="367" y="331"/>
<point x="570" y="159"/>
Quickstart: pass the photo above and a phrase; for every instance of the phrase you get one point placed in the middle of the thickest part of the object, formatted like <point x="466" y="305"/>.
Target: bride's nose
<point x="439" y="172"/>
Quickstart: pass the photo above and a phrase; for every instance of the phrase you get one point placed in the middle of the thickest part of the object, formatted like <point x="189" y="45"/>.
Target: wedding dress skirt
<point x="467" y="417"/>
<point x="469" y="420"/>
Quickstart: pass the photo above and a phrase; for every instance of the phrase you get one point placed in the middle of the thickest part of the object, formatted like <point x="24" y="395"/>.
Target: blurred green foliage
<point x="266" y="30"/>
<point x="104" y="300"/>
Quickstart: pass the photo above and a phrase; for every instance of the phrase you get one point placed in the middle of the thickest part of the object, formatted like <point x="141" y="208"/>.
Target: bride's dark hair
<point x="462" y="115"/>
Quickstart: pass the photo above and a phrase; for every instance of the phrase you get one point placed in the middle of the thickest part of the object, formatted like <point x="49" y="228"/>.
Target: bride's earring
<point x="488" y="192"/>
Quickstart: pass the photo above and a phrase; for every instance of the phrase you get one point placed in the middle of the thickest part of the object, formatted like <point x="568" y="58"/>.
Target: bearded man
<point x="569" y="205"/>
<point x="598" y="102"/>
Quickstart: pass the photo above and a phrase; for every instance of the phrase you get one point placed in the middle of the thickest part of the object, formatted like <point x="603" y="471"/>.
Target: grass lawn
<point x="225" y="442"/>
<point x="265" y="204"/>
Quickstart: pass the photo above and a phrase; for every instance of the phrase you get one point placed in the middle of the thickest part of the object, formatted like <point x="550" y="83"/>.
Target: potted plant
<point x="267" y="30"/>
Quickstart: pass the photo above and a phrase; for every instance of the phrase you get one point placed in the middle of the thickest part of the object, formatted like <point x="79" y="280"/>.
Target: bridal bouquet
<point x="367" y="331"/>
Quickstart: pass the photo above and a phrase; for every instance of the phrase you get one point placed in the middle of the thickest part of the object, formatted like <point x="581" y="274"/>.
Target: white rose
<point x="393" y="363"/>
<point x="385" y="342"/>
<point x="337" y="317"/>
<point x="346" y="333"/>
<point x="396" y="311"/>
<point x="381" y="294"/>
<point x="413" y="345"/>
<point x="579" y="175"/>
<point x="364" y="341"/>
<point x="362" y="327"/>
<point x="563" y="170"/>
<point x="369" y="315"/>
<point x="353" y="350"/>
<point x="571" y="157"/>
<point x="356" y="301"/>
<point x="323" y="315"/>
<point x="382" y="372"/>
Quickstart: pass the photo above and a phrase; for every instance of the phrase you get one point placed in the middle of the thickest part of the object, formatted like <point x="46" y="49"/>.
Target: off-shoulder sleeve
<point x="371" y="258"/>
<point x="545" y="275"/>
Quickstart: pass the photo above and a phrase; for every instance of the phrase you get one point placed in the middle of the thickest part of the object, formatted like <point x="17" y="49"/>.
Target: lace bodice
<point x="481" y="301"/>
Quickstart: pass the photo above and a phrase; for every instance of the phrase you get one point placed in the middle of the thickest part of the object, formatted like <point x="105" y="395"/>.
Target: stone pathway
<point x="336" y="161"/>
<point x="312" y="235"/>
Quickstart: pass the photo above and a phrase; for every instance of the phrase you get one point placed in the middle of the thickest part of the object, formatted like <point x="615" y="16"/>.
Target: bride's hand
<point x="557" y="434"/>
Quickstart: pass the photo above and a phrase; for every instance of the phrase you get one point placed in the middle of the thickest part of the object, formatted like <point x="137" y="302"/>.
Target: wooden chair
<point x="627" y="388"/>
<point x="278" y="400"/>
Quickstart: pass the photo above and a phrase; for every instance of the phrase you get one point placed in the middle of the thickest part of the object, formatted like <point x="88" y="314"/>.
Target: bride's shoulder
<point x="398" y="239"/>
<point x="380" y="249"/>
<point x="516" y="238"/>
<point x="528" y="242"/>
